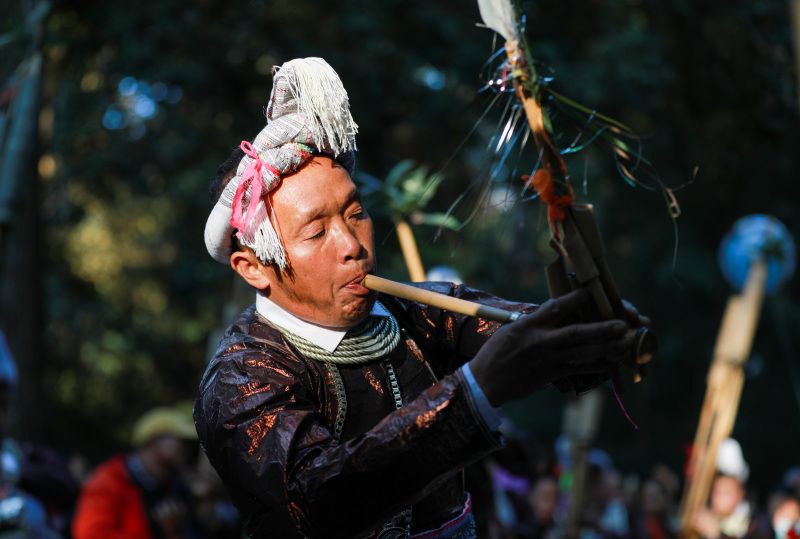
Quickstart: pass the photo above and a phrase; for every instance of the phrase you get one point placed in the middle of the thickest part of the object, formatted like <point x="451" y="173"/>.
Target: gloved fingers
<point x="593" y="332"/>
<point x="583" y="367"/>
<point x="609" y="351"/>
<point x="634" y="316"/>
<point x="557" y="309"/>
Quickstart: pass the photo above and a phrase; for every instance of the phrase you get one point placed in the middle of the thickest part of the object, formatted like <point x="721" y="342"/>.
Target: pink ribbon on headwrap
<point x="251" y="178"/>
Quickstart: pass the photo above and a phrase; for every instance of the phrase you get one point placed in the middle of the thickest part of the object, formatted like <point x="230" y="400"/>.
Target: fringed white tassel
<point x="268" y="246"/>
<point x="263" y="239"/>
<point x="322" y="100"/>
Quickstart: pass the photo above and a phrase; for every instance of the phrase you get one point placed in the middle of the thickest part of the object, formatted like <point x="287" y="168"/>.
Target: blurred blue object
<point x="753" y="237"/>
<point x="563" y="448"/>
<point x="444" y="274"/>
<point x="8" y="366"/>
<point x="600" y="458"/>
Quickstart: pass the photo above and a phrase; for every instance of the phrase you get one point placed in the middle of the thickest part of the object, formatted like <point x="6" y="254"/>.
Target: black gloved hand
<point x="536" y="349"/>
<point x="635" y="318"/>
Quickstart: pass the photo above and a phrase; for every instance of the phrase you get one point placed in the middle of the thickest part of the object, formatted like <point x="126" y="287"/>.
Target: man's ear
<point x="246" y="263"/>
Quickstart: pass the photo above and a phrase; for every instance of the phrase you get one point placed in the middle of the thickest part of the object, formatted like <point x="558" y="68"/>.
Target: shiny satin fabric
<point x="266" y="417"/>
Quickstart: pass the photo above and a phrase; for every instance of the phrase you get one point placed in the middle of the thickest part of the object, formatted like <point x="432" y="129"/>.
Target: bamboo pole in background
<point x="408" y="246"/>
<point x="723" y="392"/>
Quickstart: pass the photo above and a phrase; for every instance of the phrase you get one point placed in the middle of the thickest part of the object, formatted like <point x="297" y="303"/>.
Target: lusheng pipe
<point x="441" y="301"/>
<point x="641" y="352"/>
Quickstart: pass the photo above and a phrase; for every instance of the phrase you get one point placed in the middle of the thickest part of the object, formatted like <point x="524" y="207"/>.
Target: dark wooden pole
<point x="21" y="282"/>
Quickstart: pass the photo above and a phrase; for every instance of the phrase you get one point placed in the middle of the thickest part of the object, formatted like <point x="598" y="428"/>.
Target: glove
<point x="537" y="349"/>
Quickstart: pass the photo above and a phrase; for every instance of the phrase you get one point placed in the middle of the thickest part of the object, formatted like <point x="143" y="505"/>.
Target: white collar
<point x="326" y="338"/>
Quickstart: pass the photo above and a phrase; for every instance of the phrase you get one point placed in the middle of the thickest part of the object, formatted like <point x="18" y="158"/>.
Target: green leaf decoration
<point x="406" y="191"/>
<point x="368" y="184"/>
<point x="442" y="220"/>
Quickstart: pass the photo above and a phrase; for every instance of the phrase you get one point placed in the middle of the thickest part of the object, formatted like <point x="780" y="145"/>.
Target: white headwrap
<point x="730" y="460"/>
<point x="308" y="112"/>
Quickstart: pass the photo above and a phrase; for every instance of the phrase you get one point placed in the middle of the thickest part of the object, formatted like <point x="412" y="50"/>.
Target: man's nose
<point x="349" y="246"/>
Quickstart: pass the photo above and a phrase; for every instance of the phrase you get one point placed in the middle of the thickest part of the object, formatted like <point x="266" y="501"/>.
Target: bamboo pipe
<point x="471" y="308"/>
<point x="408" y="246"/>
<point x="434" y="299"/>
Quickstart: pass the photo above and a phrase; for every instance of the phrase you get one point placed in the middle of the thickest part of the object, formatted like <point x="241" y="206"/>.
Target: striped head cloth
<point x="308" y="113"/>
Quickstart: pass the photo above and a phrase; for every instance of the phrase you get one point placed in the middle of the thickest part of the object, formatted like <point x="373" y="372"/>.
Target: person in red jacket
<point x="141" y="495"/>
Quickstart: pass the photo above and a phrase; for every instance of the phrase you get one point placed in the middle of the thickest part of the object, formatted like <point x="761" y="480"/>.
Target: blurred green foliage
<point x="132" y="296"/>
<point x="404" y="194"/>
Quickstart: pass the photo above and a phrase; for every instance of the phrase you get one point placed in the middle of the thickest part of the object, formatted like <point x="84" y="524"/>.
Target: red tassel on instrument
<point x="546" y="186"/>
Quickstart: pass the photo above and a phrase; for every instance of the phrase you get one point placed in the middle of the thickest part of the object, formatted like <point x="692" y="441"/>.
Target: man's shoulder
<point x="249" y="334"/>
<point x="252" y="349"/>
<point x="253" y="365"/>
<point x="249" y="328"/>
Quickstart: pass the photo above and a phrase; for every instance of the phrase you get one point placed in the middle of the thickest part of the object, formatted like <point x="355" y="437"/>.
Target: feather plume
<point x="499" y="16"/>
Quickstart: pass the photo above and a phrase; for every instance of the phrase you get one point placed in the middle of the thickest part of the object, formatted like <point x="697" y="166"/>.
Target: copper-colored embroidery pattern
<point x="258" y="430"/>
<point x="374" y="382"/>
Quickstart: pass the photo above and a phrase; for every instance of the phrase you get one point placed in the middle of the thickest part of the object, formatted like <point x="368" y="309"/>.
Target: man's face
<point x="653" y="498"/>
<point x="169" y="456"/>
<point x="544" y="498"/>
<point x="327" y="235"/>
<point x="726" y="494"/>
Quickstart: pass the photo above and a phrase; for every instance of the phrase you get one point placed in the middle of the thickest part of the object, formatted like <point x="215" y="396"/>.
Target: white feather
<point x="499" y="16"/>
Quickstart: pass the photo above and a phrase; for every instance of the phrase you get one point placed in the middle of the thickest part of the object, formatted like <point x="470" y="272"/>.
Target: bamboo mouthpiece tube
<point x="434" y="299"/>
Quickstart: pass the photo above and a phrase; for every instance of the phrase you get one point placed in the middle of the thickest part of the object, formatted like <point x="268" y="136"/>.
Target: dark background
<point x="111" y="301"/>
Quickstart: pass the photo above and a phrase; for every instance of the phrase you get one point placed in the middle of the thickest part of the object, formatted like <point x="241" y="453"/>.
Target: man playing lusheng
<point x="328" y="411"/>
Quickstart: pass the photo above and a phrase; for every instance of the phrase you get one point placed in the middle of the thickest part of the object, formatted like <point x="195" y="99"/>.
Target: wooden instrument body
<point x="581" y="263"/>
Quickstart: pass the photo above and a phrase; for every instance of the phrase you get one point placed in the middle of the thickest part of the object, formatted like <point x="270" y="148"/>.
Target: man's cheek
<point x="301" y="252"/>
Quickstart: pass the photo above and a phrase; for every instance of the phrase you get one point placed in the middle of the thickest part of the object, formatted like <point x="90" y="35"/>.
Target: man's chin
<point x="358" y="309"/>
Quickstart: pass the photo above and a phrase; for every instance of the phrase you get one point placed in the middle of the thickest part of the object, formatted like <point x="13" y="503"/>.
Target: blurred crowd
<point x="525" y="491"/>
<point x="163" y="487"/>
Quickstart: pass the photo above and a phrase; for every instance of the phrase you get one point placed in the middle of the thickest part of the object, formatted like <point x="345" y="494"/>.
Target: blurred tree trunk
<point x="795" y="12"/>
<point x="20" y="246"/>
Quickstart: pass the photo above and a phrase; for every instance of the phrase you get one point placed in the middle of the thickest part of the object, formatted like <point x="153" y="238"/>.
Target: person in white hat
<point x="729" y="514"/>
<point x="329" y="411"/>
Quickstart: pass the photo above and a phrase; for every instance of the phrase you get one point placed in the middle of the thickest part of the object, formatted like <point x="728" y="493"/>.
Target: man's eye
<point x="318" y="235"/>
<point x="360" y="214"/>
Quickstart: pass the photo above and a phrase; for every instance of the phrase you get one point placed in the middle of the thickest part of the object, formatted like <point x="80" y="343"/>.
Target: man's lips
<point x="355" y="286"/>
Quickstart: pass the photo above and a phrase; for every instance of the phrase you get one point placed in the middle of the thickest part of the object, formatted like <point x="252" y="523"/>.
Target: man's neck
<point x="325" y="337"/>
